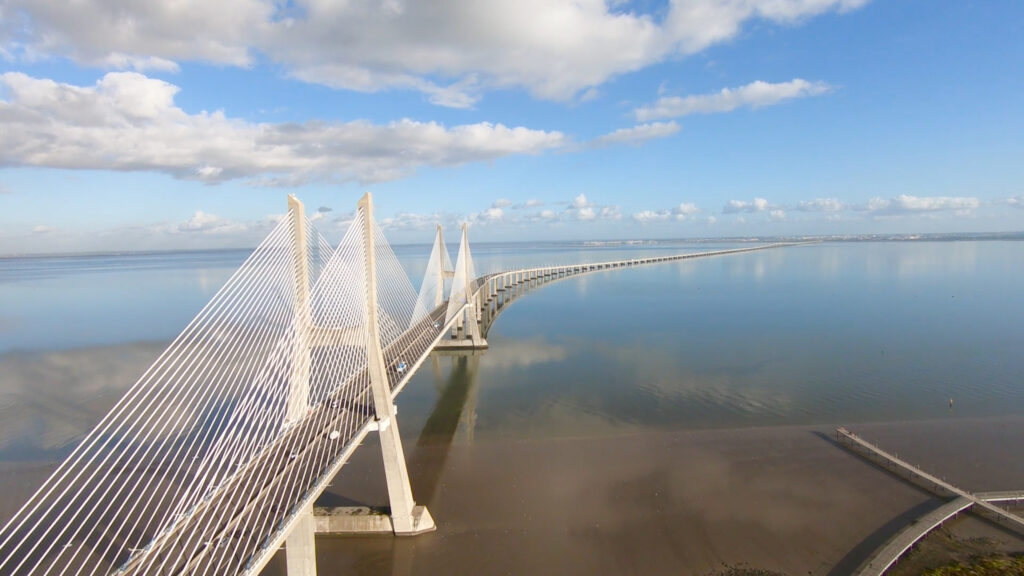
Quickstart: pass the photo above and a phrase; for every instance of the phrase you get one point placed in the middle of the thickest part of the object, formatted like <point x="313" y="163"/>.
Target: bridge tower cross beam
<point x="406" y="517"/>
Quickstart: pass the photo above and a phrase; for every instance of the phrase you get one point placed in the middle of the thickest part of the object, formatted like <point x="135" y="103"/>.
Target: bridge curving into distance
<point x="214" y="457"/>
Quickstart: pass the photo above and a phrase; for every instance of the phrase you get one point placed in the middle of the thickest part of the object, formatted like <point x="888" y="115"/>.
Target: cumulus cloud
<point x="821" y="205"/>
<point x="754" y="95"/>
<point x="491" y="214"/>
<point x="584" y="210"/>
<point x="531" y="203"/>
<point x="127" y="121"/>
<point x="650" y="216"/>
<point x="204" y="223"/>
<point x="450" y="51"/>
<point x="685" y="209"/>
<point x="580" y="201"/>
<point x="419" y="221"/>
<point x="40" y="229"/>
<point x="115" y="34"/>
<point x="678" y="213"/>
<point x="877" y="207"/>
<point x="321" y="213"/>
<point x="638" y="134"/>
<point x="1015" y="201"/>
<point x="738" y="206"/>
<point x="904" y="204"/>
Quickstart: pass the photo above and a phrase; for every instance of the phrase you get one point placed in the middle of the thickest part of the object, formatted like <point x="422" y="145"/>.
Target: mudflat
<point x="786" y="499"/>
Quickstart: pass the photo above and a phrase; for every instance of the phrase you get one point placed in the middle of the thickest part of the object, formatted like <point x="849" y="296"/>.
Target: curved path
<point x="493" y="291"/>
<point x="981" y="503"/>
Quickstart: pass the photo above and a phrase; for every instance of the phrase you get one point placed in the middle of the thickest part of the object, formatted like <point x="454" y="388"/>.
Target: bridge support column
<point x="406" y="517"/>
<point x="300" y="547"/>
<point x="476" y="301"/>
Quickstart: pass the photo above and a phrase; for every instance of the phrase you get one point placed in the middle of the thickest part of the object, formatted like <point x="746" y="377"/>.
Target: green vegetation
<point x="989" y="566"/>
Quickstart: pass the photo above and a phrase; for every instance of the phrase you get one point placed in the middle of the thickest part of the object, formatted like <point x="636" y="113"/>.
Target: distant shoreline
<point x="650" y="242"/>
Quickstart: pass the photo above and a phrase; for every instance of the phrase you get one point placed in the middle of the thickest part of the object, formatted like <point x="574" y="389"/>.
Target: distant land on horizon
<point x="909" y="237"/>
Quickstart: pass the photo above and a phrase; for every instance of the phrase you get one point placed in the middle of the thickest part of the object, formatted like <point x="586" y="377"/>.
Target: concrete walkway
<point x="961" y="500"/>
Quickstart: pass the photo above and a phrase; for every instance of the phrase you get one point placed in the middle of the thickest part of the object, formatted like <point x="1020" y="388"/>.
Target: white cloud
<point x="548" y="214"/>
<point x="501" y="203"/>
<point x="904" y="204"/>
<point x="417" y="221"/>
<point x="679" y="213"/>
<point x="1015" y="201"/>
<point x="490" y="215"/>
<point x="777" y="215"/>
<point x="127" y="121"/>
<point x="531" y="203"/>
<point x="638" y="134"/>
<point x="646" y="216"/>
<point x="821" y="205"/>
<point x="321" y="213"/>
<point x="449" y="51"/>
<point x="754" y="95"/>
<point x="580" y="201"/>
<point x="40" y="229"/>
<point x="584" y="210"/>
<point x="111" y="33"/>
<point x="737" y="206"/>
<point x="610" y="213"/>
<point x="204" y="223"/>
<point x="685" y="209"/>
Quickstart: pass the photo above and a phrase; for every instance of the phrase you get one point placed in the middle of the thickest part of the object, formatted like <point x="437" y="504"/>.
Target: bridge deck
<point x="303" y="457"/>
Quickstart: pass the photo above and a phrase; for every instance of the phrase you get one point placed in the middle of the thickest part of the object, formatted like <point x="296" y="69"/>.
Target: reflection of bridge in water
<point x="215" y="457"/>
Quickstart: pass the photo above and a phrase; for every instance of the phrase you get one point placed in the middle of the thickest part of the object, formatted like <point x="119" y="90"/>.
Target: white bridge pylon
<point x="463" y="304"/>
<point x="214" y="457"/>
<point x="439" y="269"/>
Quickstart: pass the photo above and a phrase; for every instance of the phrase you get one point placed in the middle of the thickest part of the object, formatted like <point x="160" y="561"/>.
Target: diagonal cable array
<point x="204" y="461"/>
<point x="432" y="290"/>
<point x="396" y="296"/>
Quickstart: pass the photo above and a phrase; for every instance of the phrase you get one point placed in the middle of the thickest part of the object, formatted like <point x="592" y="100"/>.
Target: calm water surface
<point x="822" y="333"/>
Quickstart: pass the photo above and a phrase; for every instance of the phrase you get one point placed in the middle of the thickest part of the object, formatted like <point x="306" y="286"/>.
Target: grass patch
<point x="988" y="566"/>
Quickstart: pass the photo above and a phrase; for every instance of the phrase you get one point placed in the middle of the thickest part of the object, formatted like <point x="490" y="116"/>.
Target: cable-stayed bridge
<point x="215" y="456"/>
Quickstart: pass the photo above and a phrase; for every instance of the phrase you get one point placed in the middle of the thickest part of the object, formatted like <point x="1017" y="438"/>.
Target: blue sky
<point x="185" y="125"/>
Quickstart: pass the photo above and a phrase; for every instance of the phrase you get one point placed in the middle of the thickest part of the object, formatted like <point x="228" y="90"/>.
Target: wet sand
<point x="676" y="502"/>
